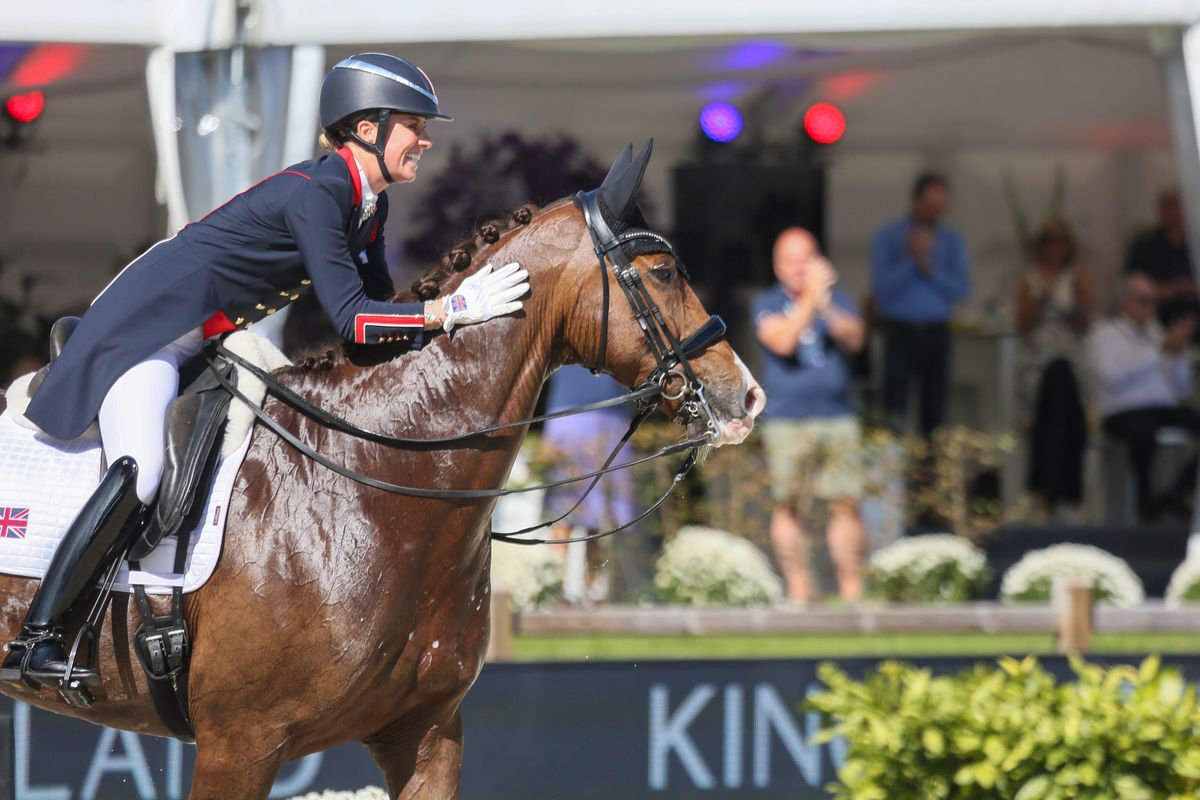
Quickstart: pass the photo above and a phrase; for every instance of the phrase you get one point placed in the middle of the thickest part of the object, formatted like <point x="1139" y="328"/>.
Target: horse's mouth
<point x="735" y="410"/>
<point x="735" y="431"/>
<point x="732" y="428"/>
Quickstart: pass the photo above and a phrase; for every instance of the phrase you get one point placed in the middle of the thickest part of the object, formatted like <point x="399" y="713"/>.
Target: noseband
<point x="670" y="354"/>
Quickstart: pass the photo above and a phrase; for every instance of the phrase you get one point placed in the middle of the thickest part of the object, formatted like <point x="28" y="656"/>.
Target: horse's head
<point x="637" y="325"/>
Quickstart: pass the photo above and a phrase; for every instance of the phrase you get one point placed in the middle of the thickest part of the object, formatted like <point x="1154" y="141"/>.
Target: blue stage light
<point x="721" y="122"/>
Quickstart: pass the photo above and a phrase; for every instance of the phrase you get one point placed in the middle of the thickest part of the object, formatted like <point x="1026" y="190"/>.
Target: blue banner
<point x="588" y="731"/>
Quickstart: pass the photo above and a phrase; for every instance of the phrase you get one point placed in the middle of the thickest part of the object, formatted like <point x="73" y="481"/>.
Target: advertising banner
<point x="694" y="729"/>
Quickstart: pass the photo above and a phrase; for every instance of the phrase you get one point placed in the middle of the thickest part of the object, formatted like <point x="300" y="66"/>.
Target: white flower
<point x="912" y="559"/>
<point x="707" y="567"/>
<point x="1185" y="576"/>
<point x="1107" y="574"/>
<point x="369" y="793"/>
<point x="923" y="553"/>
<point x="531" y="574"/>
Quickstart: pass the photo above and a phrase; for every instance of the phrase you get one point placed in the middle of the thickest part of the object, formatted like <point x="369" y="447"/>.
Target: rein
<point x="416" y="491"/>
<point x="329" y="420"/>
<point x="670" y="354"/>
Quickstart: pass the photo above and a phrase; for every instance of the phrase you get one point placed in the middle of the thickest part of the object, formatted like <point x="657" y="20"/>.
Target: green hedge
<point x="1014" y="733"/>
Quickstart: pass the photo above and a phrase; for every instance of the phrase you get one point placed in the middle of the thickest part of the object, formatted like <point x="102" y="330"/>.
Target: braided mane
<point x="459" y="258"/>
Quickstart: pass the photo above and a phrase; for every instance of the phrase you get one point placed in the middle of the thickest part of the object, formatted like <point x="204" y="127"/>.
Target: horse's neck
<point x="477" y="377"/>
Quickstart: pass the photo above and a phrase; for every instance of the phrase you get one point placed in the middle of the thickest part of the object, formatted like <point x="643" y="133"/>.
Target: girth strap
<point x="164" y="648"/>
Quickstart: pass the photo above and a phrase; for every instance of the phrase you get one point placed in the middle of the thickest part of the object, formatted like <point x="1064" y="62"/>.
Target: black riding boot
<point x="103" y="529"/>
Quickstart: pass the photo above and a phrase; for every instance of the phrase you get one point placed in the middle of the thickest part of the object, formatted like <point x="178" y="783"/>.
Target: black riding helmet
<point x="370" y="81"/>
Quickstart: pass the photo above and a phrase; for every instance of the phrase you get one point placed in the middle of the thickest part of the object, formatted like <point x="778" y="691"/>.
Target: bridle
<point x="669" y="352"/>
<point x="666" y="348"/>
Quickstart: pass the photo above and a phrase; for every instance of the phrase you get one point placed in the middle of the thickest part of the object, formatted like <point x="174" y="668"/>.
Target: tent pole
<point x="1179" y="50"/>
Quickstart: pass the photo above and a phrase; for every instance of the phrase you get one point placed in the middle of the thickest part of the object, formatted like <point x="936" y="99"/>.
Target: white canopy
<point x="978" y="90"/>
<point x="210" y="24"/>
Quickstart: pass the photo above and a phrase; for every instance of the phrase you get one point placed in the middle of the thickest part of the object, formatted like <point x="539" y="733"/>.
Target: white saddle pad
<point x="45" y="481"/>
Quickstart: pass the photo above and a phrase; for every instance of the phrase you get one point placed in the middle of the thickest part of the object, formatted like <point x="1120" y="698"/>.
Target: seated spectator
<point x="1054" y="306"/>
<point x="1143" y="376"/>
<point x="1162" y="255"/>
<point x="806" y="327"/>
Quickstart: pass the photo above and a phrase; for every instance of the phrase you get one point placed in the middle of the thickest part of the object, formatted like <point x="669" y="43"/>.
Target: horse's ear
<point x="623" y="160"/>
<point x="619" y="192"/>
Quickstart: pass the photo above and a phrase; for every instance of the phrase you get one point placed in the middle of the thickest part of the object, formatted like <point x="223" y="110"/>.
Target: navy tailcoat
<point x="300" y="229"/>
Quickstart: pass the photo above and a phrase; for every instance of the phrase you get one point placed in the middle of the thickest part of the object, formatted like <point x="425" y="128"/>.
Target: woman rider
<point x="316" y="225"/>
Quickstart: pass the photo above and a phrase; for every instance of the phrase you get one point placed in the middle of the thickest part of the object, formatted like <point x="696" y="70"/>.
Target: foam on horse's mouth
<point x="754" y="400"/>
<point x="735" y="431"/>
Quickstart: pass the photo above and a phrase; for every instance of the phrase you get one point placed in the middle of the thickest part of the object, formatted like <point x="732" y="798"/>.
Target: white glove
<point x="484" y="295"/>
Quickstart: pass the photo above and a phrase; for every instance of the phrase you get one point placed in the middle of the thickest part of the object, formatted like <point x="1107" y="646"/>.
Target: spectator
<point x="1142" y="377"/>
<point x="577" y="445"/>
<point x="1162" y="255"/>
<point x="806" y="327"/>
<point x="918" y="273"/>
<point x="1054" y="306"/>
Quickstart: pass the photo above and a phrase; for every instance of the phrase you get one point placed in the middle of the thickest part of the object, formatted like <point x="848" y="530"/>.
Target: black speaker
<point x="728" y="215"/>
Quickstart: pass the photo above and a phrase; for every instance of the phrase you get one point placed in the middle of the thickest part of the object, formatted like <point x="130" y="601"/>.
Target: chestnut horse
<point x="340" y="613"/>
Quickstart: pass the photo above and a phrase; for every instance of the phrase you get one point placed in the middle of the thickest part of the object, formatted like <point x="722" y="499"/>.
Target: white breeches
<point x="134" y="412"/>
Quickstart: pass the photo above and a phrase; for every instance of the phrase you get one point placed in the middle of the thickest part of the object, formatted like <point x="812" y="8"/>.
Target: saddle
<point x="194" y="422"/>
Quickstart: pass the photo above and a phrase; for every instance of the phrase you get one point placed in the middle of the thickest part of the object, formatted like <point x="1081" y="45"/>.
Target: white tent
<point x="977" y="90"/>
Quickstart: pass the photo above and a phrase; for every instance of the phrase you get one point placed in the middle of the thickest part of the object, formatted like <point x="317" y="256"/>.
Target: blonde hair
<point x="337" y="135"/>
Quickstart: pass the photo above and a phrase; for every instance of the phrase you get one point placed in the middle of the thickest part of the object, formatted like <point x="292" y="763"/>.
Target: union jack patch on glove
<point x="486" y="294"/>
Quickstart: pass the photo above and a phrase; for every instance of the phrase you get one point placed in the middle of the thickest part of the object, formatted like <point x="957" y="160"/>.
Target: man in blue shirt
<point x="918" y="273"/>
<point x="806" y="326"/>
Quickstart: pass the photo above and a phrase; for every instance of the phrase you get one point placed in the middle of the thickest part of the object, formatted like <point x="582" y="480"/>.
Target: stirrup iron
<point x="19" y="675"/>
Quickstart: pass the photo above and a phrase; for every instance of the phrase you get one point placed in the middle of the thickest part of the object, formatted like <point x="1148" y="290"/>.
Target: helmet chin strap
<point x="381" y="137"/>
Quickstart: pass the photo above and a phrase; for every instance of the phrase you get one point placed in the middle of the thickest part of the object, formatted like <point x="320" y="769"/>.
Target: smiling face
<point x="407" y="140"/>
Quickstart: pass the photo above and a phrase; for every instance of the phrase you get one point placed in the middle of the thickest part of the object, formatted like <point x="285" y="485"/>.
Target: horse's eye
<point x="663" y="272"/>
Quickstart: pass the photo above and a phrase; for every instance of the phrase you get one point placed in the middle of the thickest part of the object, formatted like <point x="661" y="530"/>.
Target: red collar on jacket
<point x="352" y="165"/>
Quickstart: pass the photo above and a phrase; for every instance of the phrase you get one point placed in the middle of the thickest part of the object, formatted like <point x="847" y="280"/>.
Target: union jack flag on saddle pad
<point x="14" y="522"/>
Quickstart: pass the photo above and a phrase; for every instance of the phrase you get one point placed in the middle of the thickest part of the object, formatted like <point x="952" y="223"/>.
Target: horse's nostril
<point x="754" y="401"/>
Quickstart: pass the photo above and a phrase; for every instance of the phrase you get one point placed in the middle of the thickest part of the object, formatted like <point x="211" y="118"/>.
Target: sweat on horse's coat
<point x="340" y="613"/>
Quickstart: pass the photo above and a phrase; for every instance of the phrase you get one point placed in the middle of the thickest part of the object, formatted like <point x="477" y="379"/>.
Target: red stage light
<point x="49" y="63"/>
<point x="824" y="123"/>
<point x="25" y="107"/>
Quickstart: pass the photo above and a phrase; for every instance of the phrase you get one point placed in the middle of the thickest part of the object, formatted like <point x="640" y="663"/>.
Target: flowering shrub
<point x="936" y="568"/>
<point x="707" y="567"/>
<point x="369" y="793"/>
<point x="1185" y="583"/>
<point x="531" y="574"/>
<point x="1112" y="581"/>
